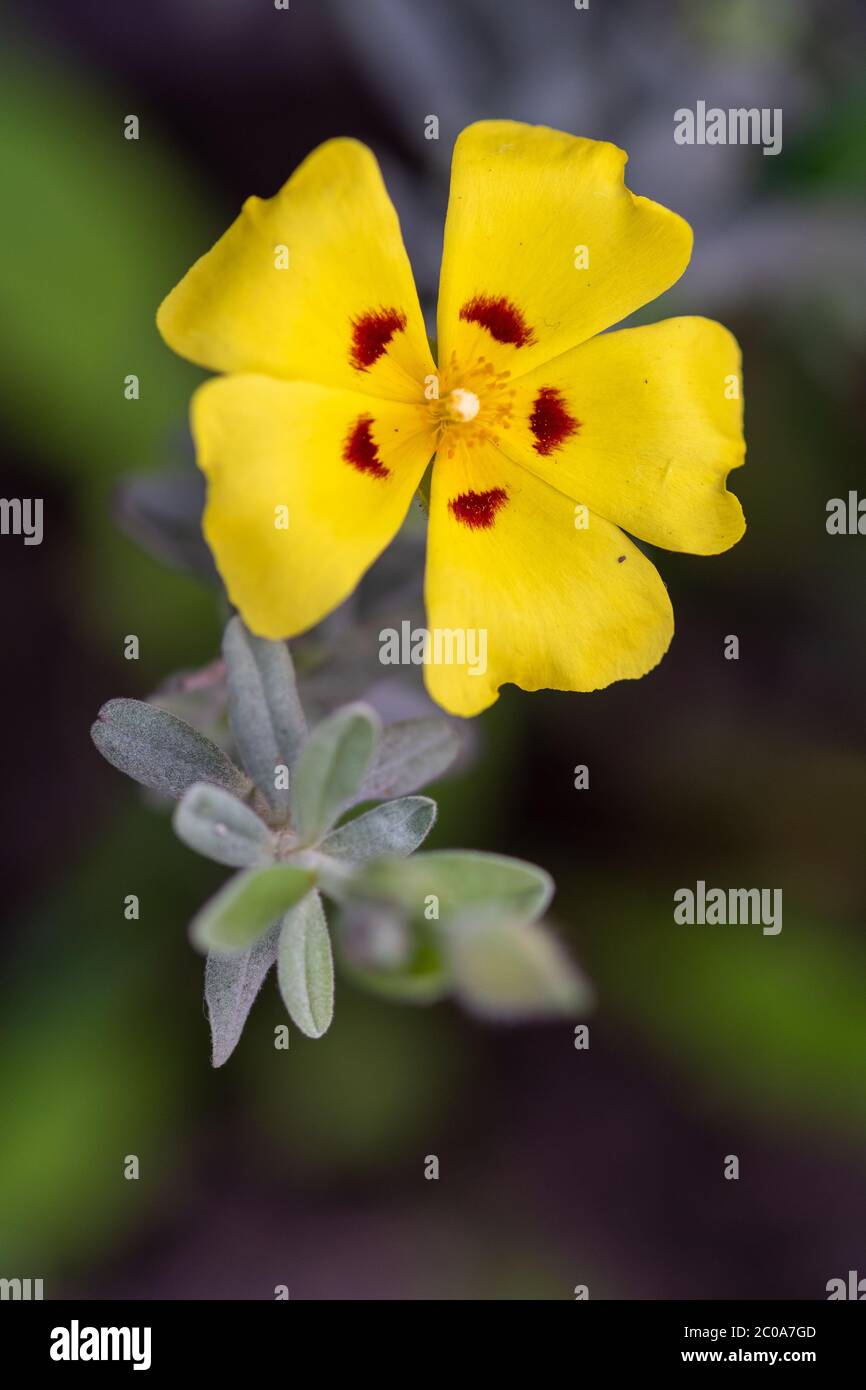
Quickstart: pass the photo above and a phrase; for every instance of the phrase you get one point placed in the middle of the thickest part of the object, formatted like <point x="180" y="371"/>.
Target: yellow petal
<point x="306" y="487"/>
<point x="545" y="246"/>
<point x="642" y="426"/>
<point x="533" y="599"/>
<point x="313" y="283"/>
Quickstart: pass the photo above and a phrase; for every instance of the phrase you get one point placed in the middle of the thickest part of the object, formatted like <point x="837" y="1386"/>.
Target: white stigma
<point x="463" y="405"/>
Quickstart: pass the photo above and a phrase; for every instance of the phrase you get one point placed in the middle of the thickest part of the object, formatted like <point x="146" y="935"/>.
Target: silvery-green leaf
<point x="265" y="714"/>
<point x="395" y="827"/>
<point x="248" y="905"/>
<point x="305" y="967"/>
<point x="231" y="984"/>
<point x="202" y="706"/>
<point x="333" y="876"/>
<point x="458" y="879"/>
<point x="330" y="769"/>
<point x="214" y="823"/>
<point x="508" y="968"/>
<point x="411" y="754"/>
<point x="161" y="751"/>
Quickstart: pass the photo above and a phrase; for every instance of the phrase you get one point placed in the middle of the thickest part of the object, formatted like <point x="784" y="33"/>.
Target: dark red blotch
<point x="502" y="319"/>
<point x="477" y="510"/>
<point x="371" y="334"/>
<point x="360" y="449"/>
<point x="551" y="421"/>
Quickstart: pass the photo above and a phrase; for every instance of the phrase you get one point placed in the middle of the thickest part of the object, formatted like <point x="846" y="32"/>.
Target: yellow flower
<point x="547" y="437"/>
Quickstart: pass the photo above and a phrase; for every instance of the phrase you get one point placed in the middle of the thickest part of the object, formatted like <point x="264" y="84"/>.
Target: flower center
<point x="475" y="403"/>
<point x="462" y="405"/>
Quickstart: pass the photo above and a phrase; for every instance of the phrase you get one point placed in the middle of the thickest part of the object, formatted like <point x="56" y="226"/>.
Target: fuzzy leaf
<point x="305" y="967"/>
<point x="247" y="906"/>
<point x="507" y="968"/>
<point x="265" y="713"/>
<point x="395" y="827"/>
<point x="160" y="751"/>
<point x="231" y="984"/>
<point x="459" y="879"/>
<point x="330" y="769"/>
<point x="214" y="823"/>
<point x="411" y="754"/>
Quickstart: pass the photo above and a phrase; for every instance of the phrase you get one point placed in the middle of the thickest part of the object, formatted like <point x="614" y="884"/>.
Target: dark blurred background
<point x="558" y="1167"/>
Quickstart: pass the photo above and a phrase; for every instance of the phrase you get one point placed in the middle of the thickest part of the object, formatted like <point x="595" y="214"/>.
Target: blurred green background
<point x="558" y="1167"/>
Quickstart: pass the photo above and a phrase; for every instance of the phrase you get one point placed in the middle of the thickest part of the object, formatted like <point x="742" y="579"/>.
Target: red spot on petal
<point x="371" y="334"/>
<point x="502" y="319"/>
<point x="551" y="421"/>
<point x="477" y="510"/>
<point x="361" y="451"/>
